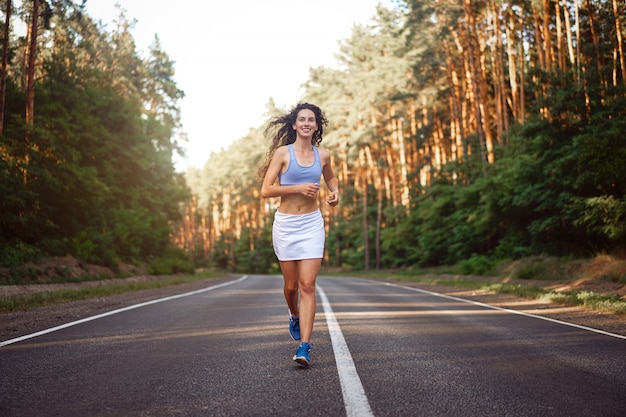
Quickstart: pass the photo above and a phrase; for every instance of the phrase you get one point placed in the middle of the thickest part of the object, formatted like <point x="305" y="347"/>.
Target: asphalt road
<point x="378" y="350"/>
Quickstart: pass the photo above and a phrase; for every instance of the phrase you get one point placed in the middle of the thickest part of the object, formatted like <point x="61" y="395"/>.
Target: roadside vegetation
<point x="597" y="284"/>
<point x="102" y="289"/>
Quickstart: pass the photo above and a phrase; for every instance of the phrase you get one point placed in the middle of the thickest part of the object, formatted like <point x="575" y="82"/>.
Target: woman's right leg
<point x="291" y="285"/>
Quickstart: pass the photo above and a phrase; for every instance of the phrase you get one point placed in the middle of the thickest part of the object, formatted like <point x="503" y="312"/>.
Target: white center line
<point x="354" y="397"/>
<point x="119" y="310"/>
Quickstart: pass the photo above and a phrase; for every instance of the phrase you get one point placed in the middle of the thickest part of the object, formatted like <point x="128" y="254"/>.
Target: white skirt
<point x="298" y="236"/>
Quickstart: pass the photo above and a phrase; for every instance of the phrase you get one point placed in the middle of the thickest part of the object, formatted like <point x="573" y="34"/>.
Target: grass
<point x="589" y="299"/>
<point x="40" y="299"/>
<point x="530" y="270"/>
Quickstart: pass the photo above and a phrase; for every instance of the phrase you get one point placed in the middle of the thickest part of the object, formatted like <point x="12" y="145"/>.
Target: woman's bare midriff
<point x="297" y="204"/>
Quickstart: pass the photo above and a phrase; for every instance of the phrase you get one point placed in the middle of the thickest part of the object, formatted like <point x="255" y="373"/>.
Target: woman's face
<point x="305" y="124"/>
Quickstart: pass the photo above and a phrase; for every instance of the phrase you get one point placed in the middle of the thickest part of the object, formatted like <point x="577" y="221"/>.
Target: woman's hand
<point x="310" y="189"/>
<point x="333" y="200"/>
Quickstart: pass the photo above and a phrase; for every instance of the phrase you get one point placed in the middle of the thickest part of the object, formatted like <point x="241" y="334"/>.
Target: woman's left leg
<point x="307" y="275"/>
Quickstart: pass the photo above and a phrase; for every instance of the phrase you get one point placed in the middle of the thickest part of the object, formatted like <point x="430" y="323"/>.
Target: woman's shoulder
<point x="324" y="153"/>
<point x="281" y="153"/>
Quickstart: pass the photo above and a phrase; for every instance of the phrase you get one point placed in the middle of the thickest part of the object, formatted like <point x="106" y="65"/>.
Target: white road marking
<point x="354" y="398"/>
<point x="120" y="310"/>
<point x="521" y="313"/>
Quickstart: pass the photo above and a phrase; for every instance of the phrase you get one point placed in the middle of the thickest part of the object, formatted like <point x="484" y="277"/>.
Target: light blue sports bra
<point x="297" y="174"/>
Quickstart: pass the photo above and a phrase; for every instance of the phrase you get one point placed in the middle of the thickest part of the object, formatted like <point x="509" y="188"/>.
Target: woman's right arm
<point x="271" y="186"/>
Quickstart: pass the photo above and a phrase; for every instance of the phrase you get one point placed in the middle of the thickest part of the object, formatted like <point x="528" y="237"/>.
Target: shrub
<point x="173" y="262"/>
<point x="17" y="253"/>
<point x="476" y="265"/>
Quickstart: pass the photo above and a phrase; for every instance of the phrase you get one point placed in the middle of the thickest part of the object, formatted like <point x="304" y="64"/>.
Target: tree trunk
<point x="542" y="37"/>
<point x="570" y="41"/>
<point x="456" y="117"/>
<point x="404" y="183"/>
<point x="522" y="84"/>
<point x="377" y="181"/>
<point x="5" y="59"/>
<point x="366" y="243"/>
<point x="30" y="86"/>
<point x="499" y="83"/>
<point x="511" y="41"/>
<point x="579" y="45"/>
<point x="620" y="43"/>
<point x="560" y="47"/>
<point x="539" y="41"/>
<point x="204" y="234"/>
<point x="474" y="83"/>
<point x="30" y="83"/>
<point x="596" y="41"/>
<point x="485" y="103"/>
<point x="547" y="39"/>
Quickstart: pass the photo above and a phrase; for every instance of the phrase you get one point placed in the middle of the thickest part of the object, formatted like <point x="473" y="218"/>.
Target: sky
<point x="231" y="57"/>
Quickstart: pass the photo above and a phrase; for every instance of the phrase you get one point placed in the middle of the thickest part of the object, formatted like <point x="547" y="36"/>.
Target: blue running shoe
<point x="302" y="354"/>
<point x="294" y="327"/>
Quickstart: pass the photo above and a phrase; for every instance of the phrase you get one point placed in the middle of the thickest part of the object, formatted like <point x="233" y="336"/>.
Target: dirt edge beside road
<point x="608" y="322"/>
<point x="22" y="322"/>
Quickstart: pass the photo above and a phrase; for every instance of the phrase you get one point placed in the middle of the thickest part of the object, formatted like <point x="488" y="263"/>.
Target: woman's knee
<point x="291" y="286"/>
<point x="307" y="287"/>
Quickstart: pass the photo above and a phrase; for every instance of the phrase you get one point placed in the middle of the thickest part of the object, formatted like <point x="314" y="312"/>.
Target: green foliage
<point x="23" y="274"/>
<point x="546" y="268"/>
<point x="139" y="233"/>
<point x="90" y="245"/>
<point x="513" y="245"/>
<point x="96" y="178"/>
<point x="447" y="224"/>
<point x="17" y="253"/>
<point x="219" y="256"/>
<point x="548" y="192"/>
<point x="260" y="260"/>
<point x="476" y="265"/>
<point x="173" y="261"/>
<point x="399" y="239"/>
<point x="530" y="272"/>
<point x="612" y="303"/>
<point x="603" y="216"/>
<point x="345" y="241"/>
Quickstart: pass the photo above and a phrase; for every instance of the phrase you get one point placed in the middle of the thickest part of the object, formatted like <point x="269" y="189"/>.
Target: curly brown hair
<point x="281" y="131"/>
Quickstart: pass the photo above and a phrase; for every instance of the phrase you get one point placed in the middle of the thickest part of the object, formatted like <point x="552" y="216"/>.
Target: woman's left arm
<point x="329" y="179"/>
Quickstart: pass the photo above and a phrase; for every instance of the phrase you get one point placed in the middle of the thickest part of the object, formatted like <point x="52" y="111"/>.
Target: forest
<point x="459" y="130"/>
<point x="89" y="130"/>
